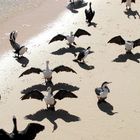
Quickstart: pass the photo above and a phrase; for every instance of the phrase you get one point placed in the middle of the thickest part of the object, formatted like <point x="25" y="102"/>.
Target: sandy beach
<point x="81" y="118"/>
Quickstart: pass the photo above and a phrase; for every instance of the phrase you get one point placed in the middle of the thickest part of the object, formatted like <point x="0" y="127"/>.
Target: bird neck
<point x="49" y="93"/>
<point x="47" y="66"/>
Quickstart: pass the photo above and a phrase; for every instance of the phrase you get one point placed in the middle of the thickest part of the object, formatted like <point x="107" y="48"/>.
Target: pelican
<point x="89" y="14"/>
<point x="19" y="50"/>
<point x="29" y="133"/>
<point x="128" y="3"/>
<point x="50" y="99"/>
<point x="47" y="72"/>
<point x="102" y="92"/>
<point x="83" y="54"/>
<point x="129" y="45"/>
<point x="70" y="38"/>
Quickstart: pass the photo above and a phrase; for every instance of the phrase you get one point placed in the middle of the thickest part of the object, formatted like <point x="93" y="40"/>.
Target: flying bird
<point x="128" y="3"/>
<point x="47" y="72"/>
<point x="70" y="38"/>
<point x="129" y="45"/>
<point x="83" y="54"/>
<point x="50" y="99"/>
<point x="89" y="14"/>
<point x="102" y="91"/>
<point x="19" y="50"/>
<point x="29" y="133"/>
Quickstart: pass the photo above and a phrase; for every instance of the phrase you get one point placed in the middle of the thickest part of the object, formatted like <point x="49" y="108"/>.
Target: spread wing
<point x="31" y="70"/>
<point x="63" y="68"/>
<point x="80" y="32"/>
<point x="30" y="132"/>
<point x="118" y="40"/>
<point x="137" y="42"/>
<point x="4" y="135"/>
<point x="123" y="1"/>
<point x="64" y="94"/>
<point x="58" y="37"/>
<point x="34" y="94"/>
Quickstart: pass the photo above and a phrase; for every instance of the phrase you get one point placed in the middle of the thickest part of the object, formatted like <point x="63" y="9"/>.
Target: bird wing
<point x="137" y="43"/>
<point x="118" y="40"/>
<point x="31" y="70"/>
<point x="80" y="32"/>
<point x="33" y="94"/>
<point x="58" y="37"/>
<point x="30" y="132"/>
<point x="64" y="94"/>
<point x="4" y="135"/>
<point x="63" y="68"/>
<point x="98" y="91"/>
<point x="123" y="1"/>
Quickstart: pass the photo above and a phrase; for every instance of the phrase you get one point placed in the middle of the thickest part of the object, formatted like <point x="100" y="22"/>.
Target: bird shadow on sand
<point x="57" y="86"/>
<point x="106" y="107"/>
<point x="130" y="12"/>
<point x="73" y="50"/>
<point x="125" y="57"/>
<point x="76" y="5"/>
<point x="22" y="60"/>
<point x="92" y="24"/>
<point x="52" y="116"/>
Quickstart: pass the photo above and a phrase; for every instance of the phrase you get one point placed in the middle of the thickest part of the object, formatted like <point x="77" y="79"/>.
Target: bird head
<point x="105" y="83"/>
<point x="71" y="33"/>
<point x="14" y="119"/>
<point x="47" y="62"/>
<point x="90" y="4"/>
<point x="49" y="89"/>
<point x="88" y="48"/>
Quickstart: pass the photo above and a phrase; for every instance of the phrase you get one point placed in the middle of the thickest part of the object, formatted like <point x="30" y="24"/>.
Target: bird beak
<point x="109" y="82"/>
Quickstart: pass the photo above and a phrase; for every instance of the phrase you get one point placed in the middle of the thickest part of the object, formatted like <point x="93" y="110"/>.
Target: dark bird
<point x="29" y="133"/>
<point x="83" y="54"/>
<point x="70" y="38"/>
<point x="129" y="45"/>
<point x="19" y="50"/>
<point x="50" y="99"/>
<point x="102" y="92"/>
<point x="128" y="3"/>
<point x="89" y="14"/>
<point x="47" y="72"/>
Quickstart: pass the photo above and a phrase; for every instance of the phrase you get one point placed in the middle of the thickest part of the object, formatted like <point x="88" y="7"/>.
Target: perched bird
<point x="102" y="92"/>
<point x="29" y="133"/>
<point x="89" y="14"/>
<point x="129" y="45"/>
<point x="19" y="50"/>
<point x="70" y="38"/>
<point x="47" y="72"/>
<point x="128" y="3"/>
<point x="83" y="54"/>
<point x="50" y="99"/>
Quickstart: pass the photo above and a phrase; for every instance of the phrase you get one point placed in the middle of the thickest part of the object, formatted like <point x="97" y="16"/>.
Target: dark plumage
<point x="126" y="0"/>
<point x="29" y="133"/>
<point x="19" y="50"/>
<point x="89" y="14"/>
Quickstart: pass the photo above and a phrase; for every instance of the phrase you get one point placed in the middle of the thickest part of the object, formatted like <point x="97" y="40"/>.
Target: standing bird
<point x="89" y="14"/>
<point x="102" y="92"/>
<point x="83" y="54"/>
<point x="19" y="50"/>
<point x="128" y="3"/>
<point x="47" y="72"/>
<point x="129" y="45"/>
<point x="70" y="38"/>
<point x="50" y="99"/>
<point x="29" y="133"/>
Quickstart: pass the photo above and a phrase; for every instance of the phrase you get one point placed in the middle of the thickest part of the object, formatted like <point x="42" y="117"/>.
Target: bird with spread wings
<point x="47" y="72"/>
<point x="29" y="133"/>
<point x="50" y="99"/>
<point x="129" y="45"/>
<point x="70" y="38"/>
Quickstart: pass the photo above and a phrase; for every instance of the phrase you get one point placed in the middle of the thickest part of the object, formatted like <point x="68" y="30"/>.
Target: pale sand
<point x="93" y="123"/>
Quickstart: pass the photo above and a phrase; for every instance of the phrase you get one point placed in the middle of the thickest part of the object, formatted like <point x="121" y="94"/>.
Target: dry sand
<point x="82" y="118"/>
